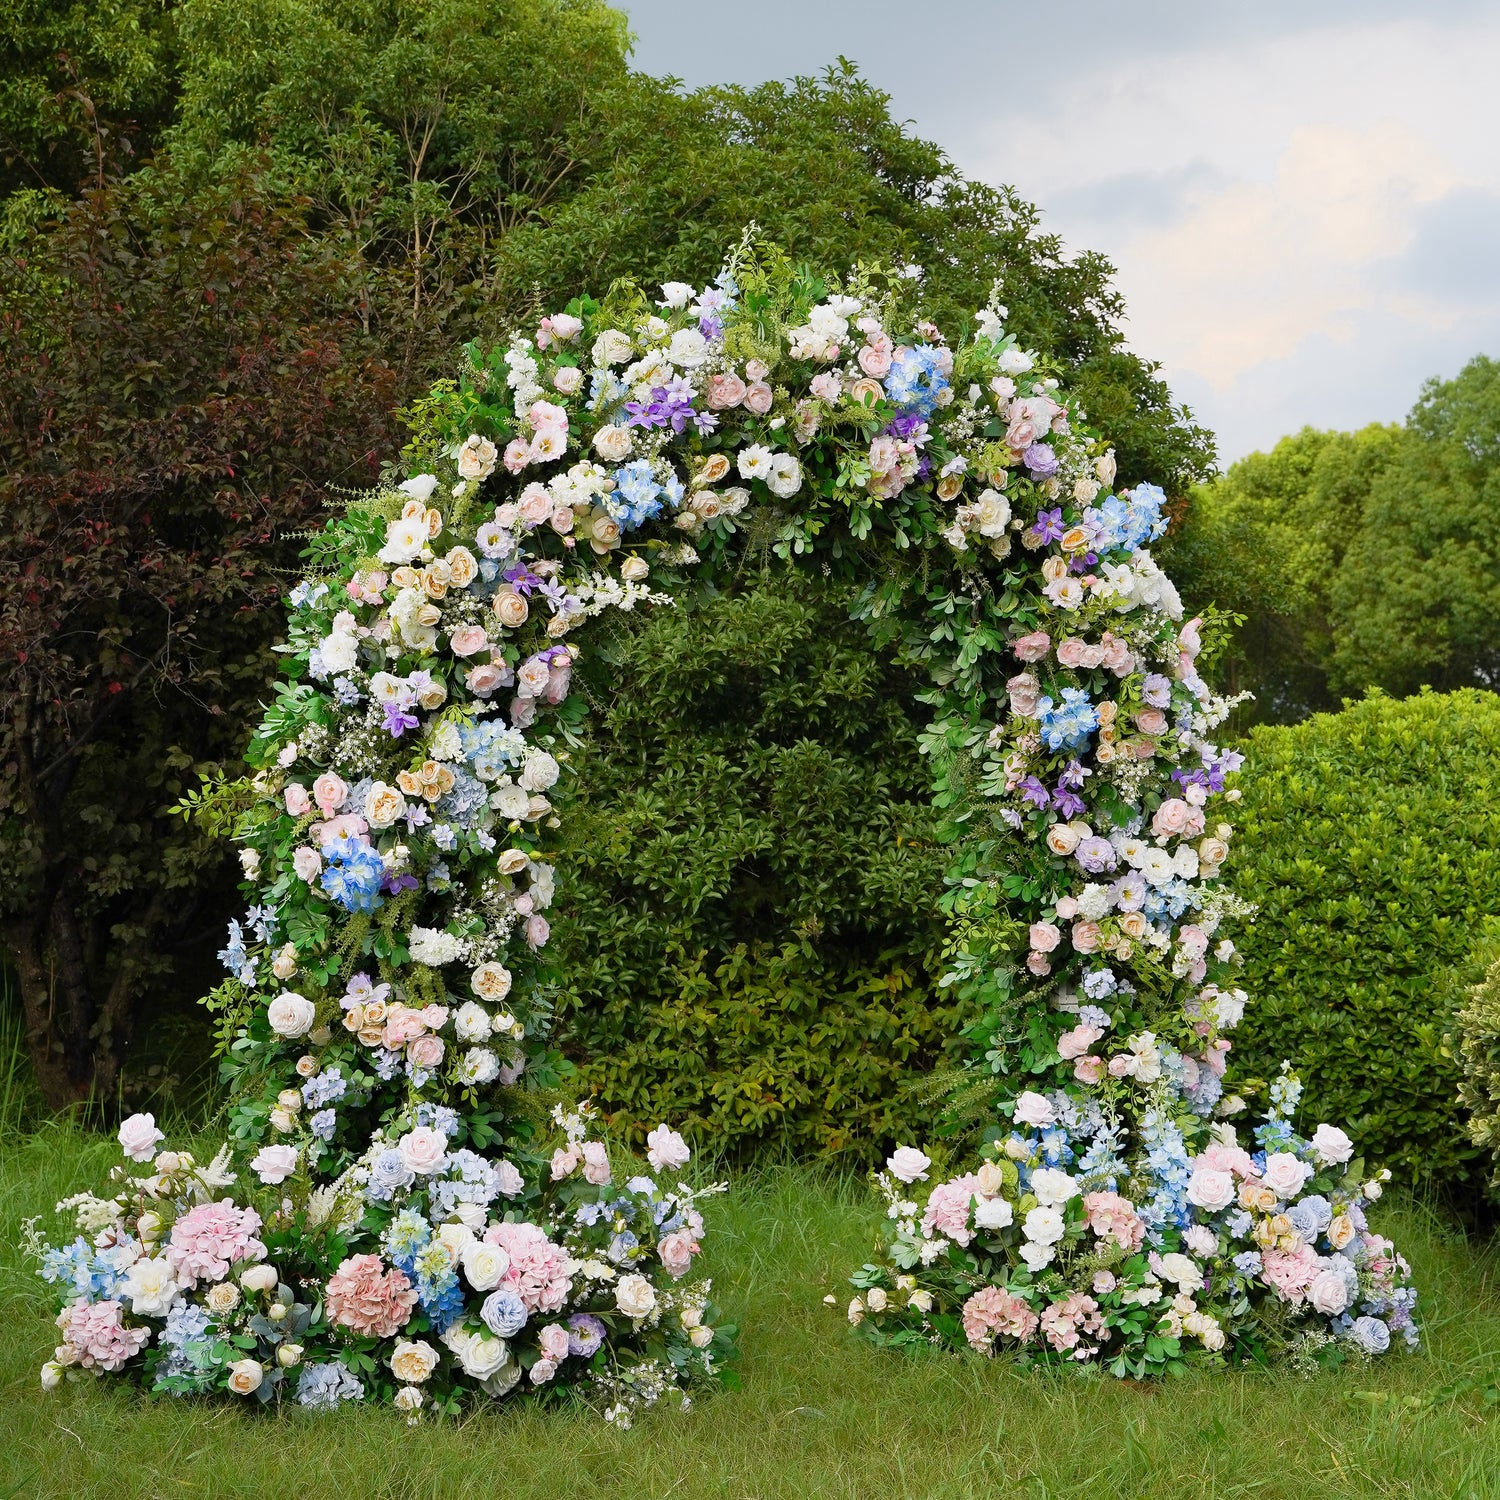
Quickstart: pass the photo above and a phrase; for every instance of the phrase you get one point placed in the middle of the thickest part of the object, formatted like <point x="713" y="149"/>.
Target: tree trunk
<point x="34" y="981"/>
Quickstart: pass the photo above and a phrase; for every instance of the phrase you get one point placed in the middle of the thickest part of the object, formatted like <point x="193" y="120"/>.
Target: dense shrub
<point x="1477" y="1042"/>
<point x="750" y="940"/>
<point x="1371" y="841"/>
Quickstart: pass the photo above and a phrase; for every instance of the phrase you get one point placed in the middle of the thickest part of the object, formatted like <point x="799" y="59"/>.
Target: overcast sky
<point x="1302" y="200"/>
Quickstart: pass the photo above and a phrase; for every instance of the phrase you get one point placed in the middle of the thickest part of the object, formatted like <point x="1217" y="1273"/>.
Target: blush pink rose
<point x="1172" y="818"/>
<point x="677" y="1251"/>
<point x="329" y="791"/>
<point x="1025" y="691"/>
<point x="1044" y="936"/>
<point x="423" y="1149"/>
<point x="1089" y="1069"/>
<point x="1086" y="937"/>
<point x="404" y="1026"/>
<point x="1076" y="1042"/>
<point x="1151" y="721"/>
<point x="345" y="826"/>
<point x="298" y="802"/>
<point x="554" y="1341"/>
<point x="306" y="861"/>
<point x="426" y="1051"/>
<point x="875" y="357"/>
<point x="469" y="640"/>
<point x="1072" y="652"/>
<point x="827" y="387"/>
<point x="1039" y="964"/>
<point x="595" y="1163"/>
<point x="725" y="391"/>
<point x="1033" y="647"/>
<point x="758" y="398"/>
<point x="485" y="679"/>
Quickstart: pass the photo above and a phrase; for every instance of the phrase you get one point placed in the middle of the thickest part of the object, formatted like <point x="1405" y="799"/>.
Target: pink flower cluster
<point x="948" y="1208"/>
<point x="538" y="1272"/>
<point x="1114" y="1217"/>
<point x="94" y="1336"/>
<point x="1065" y="1322"/>
<point x="993" y="1310"/>
<point x="210" y="1238"/>
<point x="367" y="1299"/>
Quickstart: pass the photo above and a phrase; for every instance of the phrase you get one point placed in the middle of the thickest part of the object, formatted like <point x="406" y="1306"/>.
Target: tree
<point x="178" y="387"/>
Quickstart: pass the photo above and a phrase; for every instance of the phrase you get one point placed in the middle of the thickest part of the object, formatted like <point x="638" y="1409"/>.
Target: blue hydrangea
<point x="188" y="1338"/>
<point x="916" y="378"/>
<point x="1247" y="1262"/>
<point x="327" y="1088"/>
<point x="1067" y="725"/>
<point x="323" y="1124"/>
<point x="441" y="1296"/>
<point x="1126" y="524"/>
<point x="389" y="1173"/>
<point x="1098" y="983"/>
<point x="468" y="1178"/>
<point x="637" y="497"/>
<point x="234" y="957"/>
<point x="322" y="1387"/>
<point x="82" y="1268"/>
<point x="352" y="874"/>
<point x="490" y="748"/>
<point x="1092" y="1015"/>
<point x="405" y="1237"/>
<point x="467" y="802"/>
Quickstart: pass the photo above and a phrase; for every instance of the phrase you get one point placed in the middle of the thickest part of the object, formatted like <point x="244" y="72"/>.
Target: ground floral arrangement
<point x="403" y="1211"/>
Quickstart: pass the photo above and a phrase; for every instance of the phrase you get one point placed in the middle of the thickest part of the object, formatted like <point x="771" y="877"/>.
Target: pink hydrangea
<point x="948" y="1209"/>
<point x="92" y="1332"/>
<point x="1226" y="1159"/>
<point x="367" y="1299"/>
<point x="210" y="1238"/>
<point x="1065" y="1321"/>
<point x="538" y="1272"/>
<point x="1290" y="1272"/>
<point x="993" y="1310"/>
<point x="1114" y="1217"/>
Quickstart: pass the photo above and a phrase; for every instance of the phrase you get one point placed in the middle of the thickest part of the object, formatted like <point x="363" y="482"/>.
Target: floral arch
<point x="402" y="1211"/>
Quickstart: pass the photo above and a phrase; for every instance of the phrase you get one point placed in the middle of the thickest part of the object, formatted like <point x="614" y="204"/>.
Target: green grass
<point x="820" y="1414"/>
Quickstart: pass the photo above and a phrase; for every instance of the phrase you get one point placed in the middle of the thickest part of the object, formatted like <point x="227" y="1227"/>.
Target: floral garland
<point x="387" y="1220"/>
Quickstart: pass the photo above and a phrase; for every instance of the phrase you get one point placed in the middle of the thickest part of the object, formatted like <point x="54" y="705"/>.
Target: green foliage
<point x="1370" y="840"/>
<point x="1477" y="1034"/>
<point x="1360" y="559"/>
<point x="751" y="938"/>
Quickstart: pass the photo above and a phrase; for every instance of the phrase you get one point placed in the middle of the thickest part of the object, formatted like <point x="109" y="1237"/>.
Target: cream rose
<point x="491" y="981"/>
<point x="291" y="1014"/>
<point x="613" y="443"/>
<point x="245" y="1376"/>
<point x="510" y="609"/>
<point x="635" y="1296"/>
<point x="484" y="1265"/>
<point x="413" y="1360"/>
<point x="383" y="805"/>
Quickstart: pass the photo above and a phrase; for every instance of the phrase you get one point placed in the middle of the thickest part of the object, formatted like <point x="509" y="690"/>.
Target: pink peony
<point x="538" y="1272"/>
<point x="1114" y="1217"/>
<point x="94" y="1333"/>
<point x="367" y="1299"/>
<point x="948" y="1208"/>
<point x="208" y="1239"/>
<point x="993" y="1310"/>
<point x="1033" y="647"/>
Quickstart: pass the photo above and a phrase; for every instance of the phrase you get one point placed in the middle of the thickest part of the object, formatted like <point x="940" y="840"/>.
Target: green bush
<point x="749" y="939"/>
<point x="1370" y="840"/>
<point x="1477" y="1037"/>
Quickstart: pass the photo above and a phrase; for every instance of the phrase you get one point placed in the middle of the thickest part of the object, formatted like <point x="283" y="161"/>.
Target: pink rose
<point x="554" y="1341"/>
<point x="1172" y="818"/>
<point x="469" y="640"/>
<point x="1284" y="1174"/>
<point x="1189" y="641"/>
<point x="306" y="861"/>
<point x="1025" y="691"/>
<point x="345" y="826"/>
<point x="298" y="802"/>
<point x="1033" y="1109"/>
<point x="1033" y="647"/>
<point x="1117" y="655"/>
<point x="538" y="930"/>
<point x="885" y="454"/>
<point x="758" y="398"/>
<point x="1044" y="936"/>
<point x="1210" y="1188"/>
<point x="1076" y="1042"/>
<point x="536" y="504"/>
<point x="329" y="791"/>
<point x="423" y="1149"/>
<point x="875" y="357"/>
<point x="1039" y="964"/>
<point x="563" y="1163"/>
<point x="484" y="680"/>
<point x="677" y="1251"/>
<point x="666" y="1149"/>
<point x="725" y="391"/>
<point x="402" y="1027"/>
<point x="1071" y="652"/>
<point x="1067" y="908"/>
<point x="426" y="1051"/>
<point x="1086" y="937"/>
<point x="517" y="455"/>
<point x="1089" y="1069"/>
<point x="1151" y="721"/>
<point x="595" y="1163"/>
<point x="275" y="1163"/>
<point x="827" y="387"/>
<point x="138" y="1137"/>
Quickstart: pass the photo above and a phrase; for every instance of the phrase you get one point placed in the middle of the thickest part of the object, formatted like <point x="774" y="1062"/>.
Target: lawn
<point x="820" y="1414"/>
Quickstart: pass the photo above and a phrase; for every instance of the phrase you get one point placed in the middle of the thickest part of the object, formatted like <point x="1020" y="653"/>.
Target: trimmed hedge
<point x="1370" y="839"/>
<point x="749" y="938"/>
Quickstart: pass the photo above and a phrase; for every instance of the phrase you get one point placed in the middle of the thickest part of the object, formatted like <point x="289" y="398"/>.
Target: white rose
<point x="413" y="1360"/>
<point x="1014" y="362"/>
<point x="993" y="1213"/>
<point x="907" y="1164"/>
<point x="291" y="1014"/>
<point x="539" y="772"/>
<point x="992" y="511"/>
<point x="261" y="1278"/>
<point x="484" y="1265"/>
<point x="1211" y="1189"/>
<point x="675" y="294"/>
<point x="482" y="1355"/>
<point x="612" y="347"/>
<point x="635" y="1296"/>
<point x="688" y="348"/>
<point x="405" y="538"/>
<point x="419" y="486"/>
<point x="1043" y="1226"/>
<point x="1182" y="1270"/>
<point x="613" y="443"/>
<point x="52" y="1375"/>
<point x="1329" y="1293"/>
<point x="510" y="801"/>
<point x="666" y="1149"/>
<point x="245" y="1376"/>
<point x="1053" y="1188"/>
<point x="477" y="458"/>
<point x="1033" y="1109"/>
<point x="139" y="1135"/>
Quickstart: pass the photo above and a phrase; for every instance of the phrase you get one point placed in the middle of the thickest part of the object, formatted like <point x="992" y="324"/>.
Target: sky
<point x="1302" y="201"/>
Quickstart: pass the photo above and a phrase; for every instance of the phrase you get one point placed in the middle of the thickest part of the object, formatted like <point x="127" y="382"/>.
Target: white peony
<point x="471" y="1022"/>
<point x="419" y="486"/>
<point x="540" y="771"/>
<point x="339" y="652"/>
<point x="688" y="349"/>
<point x="993" y="1213"/>
<point x="1052" y="1188"/>
<point x="1331" y="1146"/>
<point x="151" y="1287"/>
<point x="1043" y="1225"/>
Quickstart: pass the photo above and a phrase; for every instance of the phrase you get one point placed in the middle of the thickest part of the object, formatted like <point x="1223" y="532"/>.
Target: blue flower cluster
<point x="1068" y="725"/>
<point x="1167" y="1161"/>
<point x="476" y="1182"/>
<point x="637" y="496"/>
<point x="353" y="874"/>
<point x="490" y="747"/>
<point x="80" y="1266"/>
<point x="916" y="378"/>
<point x="1129" y="523"/>
<point x="322" y="1387"/>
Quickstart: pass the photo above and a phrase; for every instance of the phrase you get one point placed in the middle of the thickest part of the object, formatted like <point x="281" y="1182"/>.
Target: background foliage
<point x="751" y="944"/>
<point x="1371" y="841"/>
<point x="1359" y="559"/>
